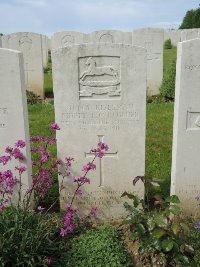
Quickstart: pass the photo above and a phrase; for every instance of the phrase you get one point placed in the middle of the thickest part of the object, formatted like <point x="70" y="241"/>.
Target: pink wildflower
<point x="21" y="168"/>
<point x="54" y="126"/>
<point x="20" y="143"/>
<point x="5" y="159"/>
<point x="89" y="166"/>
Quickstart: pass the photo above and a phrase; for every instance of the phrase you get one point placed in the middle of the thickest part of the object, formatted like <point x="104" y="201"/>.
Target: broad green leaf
<point x="151" y="224"/>
<point x="160" y="220"/>
<point x="158" y="233"/>
<point x="125" y="194"/>
<point x="185" y="227"/>
<point x="140" y="229"/>
<point x="174" y="209"/>
<point x="141" y="250"/>
<point x="167" y="245"/>
<point x="157" y="244"/>
<point x="136" y="201"/>
<point x="173" y="199"/>
<point x="176" y="228"/>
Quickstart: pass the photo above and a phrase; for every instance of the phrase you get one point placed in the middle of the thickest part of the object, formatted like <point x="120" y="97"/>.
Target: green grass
<point x="48" y="82"/>
<point x="159" y="129"/>
<point x="168" y="57"/>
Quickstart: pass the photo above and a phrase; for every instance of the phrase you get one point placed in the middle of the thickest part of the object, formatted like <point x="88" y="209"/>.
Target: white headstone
<point x="13" y="109"/>
<point x="109" y="36"/>
<point x="152" y="39"/>
<point x="190" y="34"/>
<point x="100" y="94"/>
<point x="66" y="38"/>
<point x="0" y="41"/>
<point x="45" y="50"/>
<point x="174" y="35"/>
<point x="30" y="44"/>
<point x="185" y="181"/>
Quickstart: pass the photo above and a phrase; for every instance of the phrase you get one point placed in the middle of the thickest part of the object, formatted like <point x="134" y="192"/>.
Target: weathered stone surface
<point x="174" y="35"/>
<point x="30" y="44"/>
<point x="190" y="34"/>
<point x="45" y="48"/>
<point x="66" y="38"/>
<point x="13" y="109"/>
<point x="100" y="94"/>
<point x="109" y="36"/>
<point x="186" y="136"/>
<point x="151" y="39"/>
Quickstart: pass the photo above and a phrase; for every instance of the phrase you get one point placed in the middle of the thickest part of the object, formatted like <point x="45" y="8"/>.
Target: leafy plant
<point x="167" y="88"/>
<point x="159" y="229"/>
<point x="29" y="239"/>
<point x="98" y="247"/>
<point x="168" y="44"/>
<point x="32" y="98"/>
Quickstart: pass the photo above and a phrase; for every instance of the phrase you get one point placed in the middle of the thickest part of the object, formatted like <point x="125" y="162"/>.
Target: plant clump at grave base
<point x="98" y="247"/>
<point x="29" y="235"/>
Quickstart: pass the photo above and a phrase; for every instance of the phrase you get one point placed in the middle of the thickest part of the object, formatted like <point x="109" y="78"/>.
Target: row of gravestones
<point x="35" y="50"/>
<point x="100" y="95"/>
<point x="177" y="36"/>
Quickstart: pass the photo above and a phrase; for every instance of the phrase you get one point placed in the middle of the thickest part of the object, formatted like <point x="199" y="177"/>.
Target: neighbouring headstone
<point x="30" y="44"/>
<point x="190" y="34"/>
<point x="185" y="180"/>
<point x="13" y="109"/>
<point x="151" y="39"/>
<point x="99" y="95"/>
<point x="66" y="38"/>
<point x="45" y="50"/>
<point x="109" y="36"/>
<point x="173" y="35"/>
<point x="0" y="41"/>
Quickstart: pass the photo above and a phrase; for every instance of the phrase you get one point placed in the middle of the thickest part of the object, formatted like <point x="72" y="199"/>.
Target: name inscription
<point x="100" y="116"/>
<point x="3" y="113"/>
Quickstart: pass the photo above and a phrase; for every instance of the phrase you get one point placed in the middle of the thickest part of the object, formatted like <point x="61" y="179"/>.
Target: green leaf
<point x="173" y="199"/>
<point x="174" y="209"/>
<point x="130" y="196"/>
<point x="157" y="244"/>
<point x="158" y="233"/>
<point x="140" y="229"/>
<point x="141" y="250"/>
<point x="185" y="227"/>
<point x="151" y="224"/>
<point x="176" y="228"/>
<point x="136" y="201"/>
<point x="160" y="220"/>
<point x="167" y="245"/>
<point x="154" y="184"/>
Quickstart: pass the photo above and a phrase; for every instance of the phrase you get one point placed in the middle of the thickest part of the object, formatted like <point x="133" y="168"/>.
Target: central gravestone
<point x="100" y="94"/>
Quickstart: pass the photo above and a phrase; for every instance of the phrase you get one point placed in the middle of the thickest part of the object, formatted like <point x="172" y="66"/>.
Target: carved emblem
<point x="106" y="38"/>
<point x="25" y="43"/>
<point x="99" y="79"/>
<point x="67" y="40"/>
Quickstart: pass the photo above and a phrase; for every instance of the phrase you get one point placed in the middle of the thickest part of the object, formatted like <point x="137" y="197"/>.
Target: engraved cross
<point x="101" y="160"/>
